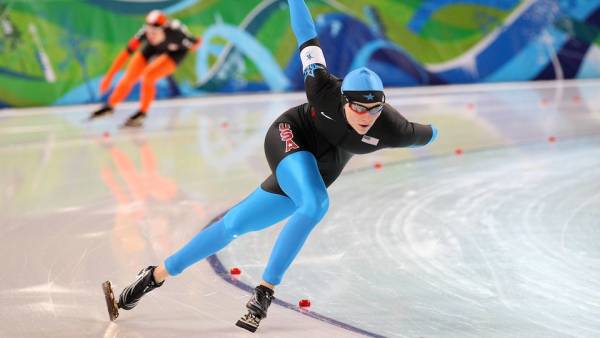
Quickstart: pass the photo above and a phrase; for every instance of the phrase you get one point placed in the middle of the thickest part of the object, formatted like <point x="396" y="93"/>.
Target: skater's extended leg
<point x="299" y="177"/>
<point x="132" y="74"/>
<point x="161" y="67"/>
<point x="258" y="211"/>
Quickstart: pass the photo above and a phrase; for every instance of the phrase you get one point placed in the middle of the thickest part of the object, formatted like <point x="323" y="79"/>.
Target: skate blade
<point x="131" y="126"/>
<point x="246" y="326"/>
<point x="248" y="322"/>
<point x="111" y="305"/>
<point x="96" y="117"/>
<point x="90" y="119"/>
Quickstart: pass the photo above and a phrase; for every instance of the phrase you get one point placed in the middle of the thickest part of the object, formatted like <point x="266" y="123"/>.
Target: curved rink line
<point x="219" y="269"/>
<point x="222" y="272"/>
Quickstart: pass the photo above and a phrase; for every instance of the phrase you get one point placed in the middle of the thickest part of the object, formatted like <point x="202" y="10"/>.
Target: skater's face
<point x="155" y="34"/>
<point x="361" y="116"/>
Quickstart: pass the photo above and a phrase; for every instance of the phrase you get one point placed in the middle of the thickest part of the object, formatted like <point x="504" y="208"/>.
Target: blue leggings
<point x="307" y="202"/>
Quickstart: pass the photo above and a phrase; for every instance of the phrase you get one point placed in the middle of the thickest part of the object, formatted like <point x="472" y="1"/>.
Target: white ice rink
<point x="493" y="231"/>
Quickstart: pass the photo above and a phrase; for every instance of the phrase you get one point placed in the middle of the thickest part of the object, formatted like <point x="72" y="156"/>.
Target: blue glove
<point x="302" y="22"/>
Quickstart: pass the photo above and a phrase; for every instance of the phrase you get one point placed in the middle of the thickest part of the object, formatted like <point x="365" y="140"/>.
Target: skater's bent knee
<point x="233" y="226"/>
<point x="315" y="207"/>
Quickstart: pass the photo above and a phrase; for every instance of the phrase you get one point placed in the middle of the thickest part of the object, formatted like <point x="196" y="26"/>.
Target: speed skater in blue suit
<point x="306" y="148"/>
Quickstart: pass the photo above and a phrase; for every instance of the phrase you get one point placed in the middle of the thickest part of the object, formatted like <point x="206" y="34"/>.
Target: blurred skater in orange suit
<point x="165" y="43"/>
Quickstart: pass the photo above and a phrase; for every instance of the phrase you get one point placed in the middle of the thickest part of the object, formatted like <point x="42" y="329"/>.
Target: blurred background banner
<point x="55" y="52"/>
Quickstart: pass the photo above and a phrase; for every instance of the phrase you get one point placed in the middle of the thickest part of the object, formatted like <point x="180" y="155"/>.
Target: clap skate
<point x="103" y="111"/>
<point x="257" y="308"/>
<point x="132" y="294"/>
<point x="134" y="121"/>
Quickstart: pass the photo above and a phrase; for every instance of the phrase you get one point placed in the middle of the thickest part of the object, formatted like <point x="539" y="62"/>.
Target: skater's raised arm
<point x="302" y="22"/>
<point x="318" y="82"/>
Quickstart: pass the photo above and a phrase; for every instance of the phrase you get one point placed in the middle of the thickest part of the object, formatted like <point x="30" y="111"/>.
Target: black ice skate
<point x="257" y="308"/>
<point x="131" y="295"/>
<point x="144" y="283"/>
<point x="135" y="120"/>
<point x="103" y="111"/>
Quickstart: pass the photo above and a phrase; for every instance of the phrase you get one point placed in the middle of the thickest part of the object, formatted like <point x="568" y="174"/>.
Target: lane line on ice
<point x="219" y="269"/>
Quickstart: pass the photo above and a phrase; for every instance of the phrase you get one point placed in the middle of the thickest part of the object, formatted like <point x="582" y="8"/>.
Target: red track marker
<point x="235" y="271"/>
<point x="304" y="303"/>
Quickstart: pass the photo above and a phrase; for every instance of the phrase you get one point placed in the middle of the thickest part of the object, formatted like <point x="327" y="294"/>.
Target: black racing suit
<point x="177" y="42"/>
<point x="320" y="127"/>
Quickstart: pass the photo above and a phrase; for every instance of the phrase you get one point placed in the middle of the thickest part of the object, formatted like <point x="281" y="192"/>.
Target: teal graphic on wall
<point x="56" y="52"/>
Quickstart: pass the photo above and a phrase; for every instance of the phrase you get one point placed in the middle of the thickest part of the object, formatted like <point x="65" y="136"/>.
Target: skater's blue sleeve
<point x="319" y="84"/>
<point x="398" y="132"/>
<point x="434" y="135"/>
<point x="422" y="137"/>
<point x="302" y="22"/>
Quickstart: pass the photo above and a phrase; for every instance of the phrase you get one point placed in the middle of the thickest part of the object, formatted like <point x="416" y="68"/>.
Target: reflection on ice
<point x="498" y="242"/>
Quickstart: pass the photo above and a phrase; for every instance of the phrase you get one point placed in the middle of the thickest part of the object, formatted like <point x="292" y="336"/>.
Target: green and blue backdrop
<point x="56" y="51"/>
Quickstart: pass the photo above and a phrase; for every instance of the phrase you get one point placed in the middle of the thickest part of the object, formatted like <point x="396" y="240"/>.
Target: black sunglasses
<point x="360" y="109"/>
